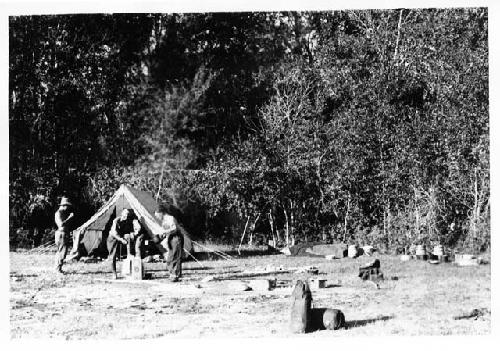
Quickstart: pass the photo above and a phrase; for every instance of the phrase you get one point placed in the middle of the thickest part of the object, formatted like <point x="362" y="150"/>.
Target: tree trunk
<point x="292" y="224"/>
<point x="347" y="216"/>
<point x="271" y="222"/>
<point x="417" y="214"/>
<point x="474" y="216"/>
<point x="287" y="228"/>
<point x="399" y="33"/>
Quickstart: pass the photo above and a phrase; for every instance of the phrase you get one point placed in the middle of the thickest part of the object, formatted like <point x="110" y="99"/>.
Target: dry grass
<point x="424" y="300"/>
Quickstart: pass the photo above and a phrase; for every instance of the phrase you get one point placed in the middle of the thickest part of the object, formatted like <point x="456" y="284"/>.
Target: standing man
<point x="125" y="229"/>
<point x="63" y="219"/>
<point x="173" y="240"/>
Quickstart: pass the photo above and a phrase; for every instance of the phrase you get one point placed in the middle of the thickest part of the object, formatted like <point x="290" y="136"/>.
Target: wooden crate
<point x="133" y="268"/>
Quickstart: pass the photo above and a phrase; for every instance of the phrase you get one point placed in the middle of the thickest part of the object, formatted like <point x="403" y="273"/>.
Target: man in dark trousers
<point x="63" y="218"/>
<point x="125" y="229"/>
<point x="173" y="241"/>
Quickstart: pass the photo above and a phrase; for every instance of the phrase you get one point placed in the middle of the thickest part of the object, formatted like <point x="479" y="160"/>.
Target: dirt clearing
<point x="420" y="299"/>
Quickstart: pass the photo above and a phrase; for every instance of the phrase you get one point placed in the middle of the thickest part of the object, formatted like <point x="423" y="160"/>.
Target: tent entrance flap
<point x="95" y="237"/>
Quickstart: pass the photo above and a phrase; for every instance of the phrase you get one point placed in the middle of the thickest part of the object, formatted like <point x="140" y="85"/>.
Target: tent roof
<point x="143" y="204"/>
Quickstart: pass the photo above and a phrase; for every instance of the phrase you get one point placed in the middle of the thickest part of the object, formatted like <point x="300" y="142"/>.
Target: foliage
<point x="358" y="126"/>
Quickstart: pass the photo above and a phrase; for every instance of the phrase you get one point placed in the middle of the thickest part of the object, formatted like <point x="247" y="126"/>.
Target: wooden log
<point x="333" y="319"/>
<point x="300" y="316"/>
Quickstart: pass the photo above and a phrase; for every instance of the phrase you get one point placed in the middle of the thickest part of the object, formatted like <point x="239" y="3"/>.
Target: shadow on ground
<point x="363" y="322"/>
<point x="317" y="320"/>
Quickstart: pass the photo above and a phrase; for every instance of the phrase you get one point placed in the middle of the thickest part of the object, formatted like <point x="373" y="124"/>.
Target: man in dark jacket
<point x="125" y="229"/>
<point x="173" y="241"/>
<point x="63" y="218"/>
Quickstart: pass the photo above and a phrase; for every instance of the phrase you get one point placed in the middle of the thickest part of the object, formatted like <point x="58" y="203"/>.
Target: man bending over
<point x="125" y="229"/>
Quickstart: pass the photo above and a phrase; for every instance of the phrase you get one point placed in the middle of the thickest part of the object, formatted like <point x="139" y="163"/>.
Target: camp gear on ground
<point x="90" y="238"/>
<point x="420" y="250"/>
<point x="422" y="257"/>
<point x="421" y="253"/>
<point x="438" y="250"/>
<point x="371" y="271"/>
<point x="262" y="284"/>
<point x="132" y="268"/>
<point x="317" y="249"/>
<point x="316" y="283"/>
<point x="174" y="256"/>
<point x="300" y="316"/>
<point x="352" y="251"/>
<point x="440" y="258"/>
<point x="286" y="251"/>
<point x="443" y="258"/>
<point x="368" y="250"/>
<point x="237" y="285"/>
<point x="308" y="269"/>
<point x="438" y="254"/>
<point x="333" y="319"/>
<point x="467" y="260"/>
<point x="405" y="258"/>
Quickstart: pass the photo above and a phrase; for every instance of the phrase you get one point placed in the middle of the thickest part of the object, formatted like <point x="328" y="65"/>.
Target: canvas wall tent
<point x="93" y="233"/>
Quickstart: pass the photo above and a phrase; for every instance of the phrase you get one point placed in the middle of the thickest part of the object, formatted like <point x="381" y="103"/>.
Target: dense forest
<point x="366" y="127"/>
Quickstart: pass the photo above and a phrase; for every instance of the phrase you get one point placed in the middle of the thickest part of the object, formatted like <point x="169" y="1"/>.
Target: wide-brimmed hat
<point x="65" y="202"/>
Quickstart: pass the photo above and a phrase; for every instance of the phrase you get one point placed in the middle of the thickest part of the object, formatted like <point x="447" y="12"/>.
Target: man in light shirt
<point x="173" y="240"/>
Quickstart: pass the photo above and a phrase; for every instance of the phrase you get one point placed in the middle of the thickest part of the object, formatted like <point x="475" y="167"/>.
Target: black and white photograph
<point x="294" y="172"/>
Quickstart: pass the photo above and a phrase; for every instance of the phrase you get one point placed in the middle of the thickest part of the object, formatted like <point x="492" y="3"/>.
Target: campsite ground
<point x="84" y="303"/>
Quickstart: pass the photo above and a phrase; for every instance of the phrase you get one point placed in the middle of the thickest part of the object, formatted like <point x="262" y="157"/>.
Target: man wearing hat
<point x="63" y="219"/>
